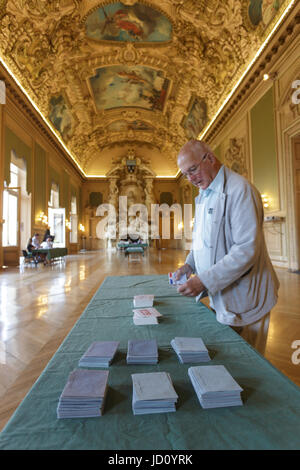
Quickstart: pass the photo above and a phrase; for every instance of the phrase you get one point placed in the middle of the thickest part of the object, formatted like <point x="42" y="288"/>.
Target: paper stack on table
<point x="178" y="282"/>
<point x="99" y="354"/>
<point x="153" y="393"/>
<point x="142" y="351"/>
<point x="140" y="301"/>
<point x="190" y="349"/>
<point x="84" y="394"/>
<point x="146" y="316"/>
<point x="215" y="387"/>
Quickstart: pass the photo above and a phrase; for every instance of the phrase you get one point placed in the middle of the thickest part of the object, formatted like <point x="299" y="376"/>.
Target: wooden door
<point x="11" y="227"/>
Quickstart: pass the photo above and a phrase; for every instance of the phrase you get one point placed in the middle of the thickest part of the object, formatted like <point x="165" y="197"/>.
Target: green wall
<point x="66" y="193"/>
<point x="40" y="203"/>
<point x="264" y="158"/>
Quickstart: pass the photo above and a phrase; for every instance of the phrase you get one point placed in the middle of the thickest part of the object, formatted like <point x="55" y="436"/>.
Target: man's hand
<point x="185" y="269"/>
<point x="192" y="287"/>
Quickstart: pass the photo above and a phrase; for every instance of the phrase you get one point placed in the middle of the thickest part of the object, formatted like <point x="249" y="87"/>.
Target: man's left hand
<point x="192" y="287"/>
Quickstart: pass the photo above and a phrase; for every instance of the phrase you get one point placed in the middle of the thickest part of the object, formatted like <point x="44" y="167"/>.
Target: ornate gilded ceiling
<point x="143" y="74"/>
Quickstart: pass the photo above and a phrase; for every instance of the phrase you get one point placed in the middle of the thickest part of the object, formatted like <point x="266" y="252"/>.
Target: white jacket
<point x="241" y="281"/>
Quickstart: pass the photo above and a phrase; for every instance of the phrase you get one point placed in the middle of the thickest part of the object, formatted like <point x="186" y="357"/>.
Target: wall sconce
<point x="81" y="228"/>
<point x="68" y="224"/>
<point x="180" y="226"/>
<point x="42" y="218"/>
<point x="192" y="222"/>
<point x="266" y="200"/>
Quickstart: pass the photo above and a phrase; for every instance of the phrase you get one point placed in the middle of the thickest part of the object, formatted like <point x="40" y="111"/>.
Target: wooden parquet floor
<point x="39" y="306"/>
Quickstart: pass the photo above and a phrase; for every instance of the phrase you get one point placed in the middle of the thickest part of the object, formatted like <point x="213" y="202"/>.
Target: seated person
<point x="48" y="243"/>
<point x="48" y="235"/>
<point x="40" y="257"/>
<point x="134" y="239"/>
<point x="36" y="241"/>
<point x="30" y="246"/>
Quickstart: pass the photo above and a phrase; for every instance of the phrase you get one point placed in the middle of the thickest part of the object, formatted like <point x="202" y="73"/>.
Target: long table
<point x="123" y="246"/>
<point x="268" y="419"/>
<point x="51" y="253"/>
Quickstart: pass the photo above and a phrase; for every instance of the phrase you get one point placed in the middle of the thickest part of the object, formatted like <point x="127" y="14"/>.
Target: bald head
<point x="194" y="147"/>
<point x="198" y="163"/>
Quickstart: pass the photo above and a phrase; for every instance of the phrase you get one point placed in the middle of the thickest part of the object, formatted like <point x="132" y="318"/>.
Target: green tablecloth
<point x="134" y="249"/>
<point x="269" y="418"/>
<point x="52" y="252"/>
<point x="129" y="245"/>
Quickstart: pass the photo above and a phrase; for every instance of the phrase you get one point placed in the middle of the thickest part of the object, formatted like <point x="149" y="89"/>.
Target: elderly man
<point x="229" y="257"/>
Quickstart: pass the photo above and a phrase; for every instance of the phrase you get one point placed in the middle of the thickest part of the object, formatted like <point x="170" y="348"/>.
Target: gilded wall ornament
<point x="131" y="81"/>
<point x="235" y="157"/>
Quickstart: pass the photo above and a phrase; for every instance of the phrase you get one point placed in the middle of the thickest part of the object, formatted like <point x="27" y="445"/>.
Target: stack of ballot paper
<point x="190" y="349"/>
<point x="215" y="387"/>
<point x="142" y="351"/>
<point x="140" y="301"/>
<point x="99" y="354"/>
<point x="146" y="316"/>
<point x="83" y="395"/>
<point x="153" y="393"/>
<point x="178" y="282"/>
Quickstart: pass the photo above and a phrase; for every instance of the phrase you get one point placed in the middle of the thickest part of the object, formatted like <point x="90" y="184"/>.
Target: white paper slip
<point x="146" y="312"/>
<point x="83" y="395"/>
<point x="86" y="383"/>
<point x="140" y="301"/>
<point x="215" y="387"/>
<point x="174" y="282"/>
<point x="145" y="321"/>
<point x="153" y="386"/>
<point x="99" y="354"/>
<point x="146" y="316"/>
<point x="153" y="393"/>
<point x="214" y="379"/>
<point x="187" y="344"/>
<point x="137" y="347"/>
<point x="142" y="352"/>
<point x="190" y="349"/>
<point x="102" y="349"/>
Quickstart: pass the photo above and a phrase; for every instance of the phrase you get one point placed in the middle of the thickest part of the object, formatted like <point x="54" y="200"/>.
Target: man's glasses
<point x="194" y="169"/>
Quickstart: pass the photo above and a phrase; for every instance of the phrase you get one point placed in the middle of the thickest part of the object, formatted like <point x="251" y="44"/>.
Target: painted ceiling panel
<point x="120" y="85"/>
<point x="119" y="22"/>
<point x="148" y="74"/>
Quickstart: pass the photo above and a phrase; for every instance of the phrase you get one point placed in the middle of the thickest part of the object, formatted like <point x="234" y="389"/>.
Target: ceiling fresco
<point x="263" y="11"/>
<point x="196" y="118"/>
<point x="148" y="74"/>
<point x="119" y="22"/>
<point x="120" y="86"/>
<point x="124" y="126"/>
<point x="61" y="117"/>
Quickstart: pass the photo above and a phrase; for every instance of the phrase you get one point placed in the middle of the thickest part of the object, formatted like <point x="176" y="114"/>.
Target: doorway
<point x="11" y="232"/>
<point x="56" y="221"/>
<point x="16" y="213"/>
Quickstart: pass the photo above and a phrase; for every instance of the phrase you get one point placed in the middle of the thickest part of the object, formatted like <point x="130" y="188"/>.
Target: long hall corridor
<point x="39" y="306"/>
